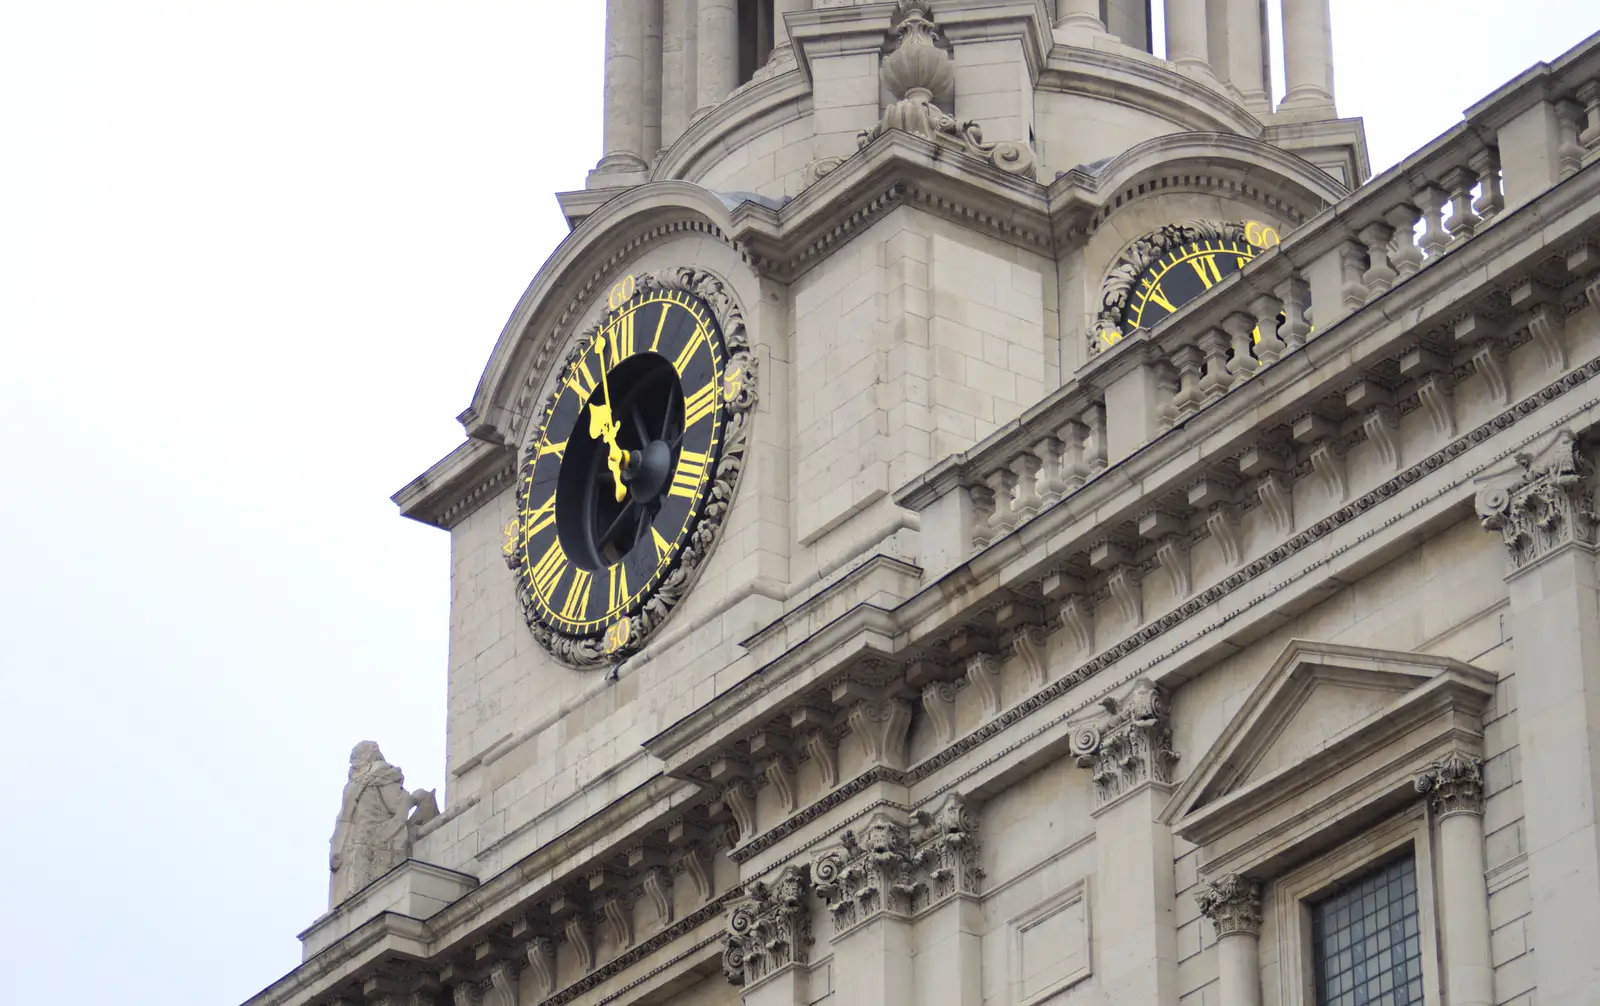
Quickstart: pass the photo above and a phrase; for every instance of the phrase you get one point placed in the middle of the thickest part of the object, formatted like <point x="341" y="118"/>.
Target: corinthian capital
<point x="1547" y="501"/>
<point x="1454" y="784"/>
<point x="1233" y="904"/>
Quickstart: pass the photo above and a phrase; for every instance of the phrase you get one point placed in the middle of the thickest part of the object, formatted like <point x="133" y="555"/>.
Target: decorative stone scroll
<point x="1544" y="504"/>
<point x="377" y="824"/>
<point x="1454" y="785"/>
<point x="1130" y="746"/>
<point x="770" y="930"/>
<point x="1233" y="904"/>
<point x="920" y="68"/>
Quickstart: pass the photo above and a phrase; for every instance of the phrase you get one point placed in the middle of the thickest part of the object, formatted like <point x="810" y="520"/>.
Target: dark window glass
<point x="1366" y="940"/>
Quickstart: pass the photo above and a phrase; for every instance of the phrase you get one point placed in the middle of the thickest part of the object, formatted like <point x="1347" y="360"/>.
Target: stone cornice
<point x="1147" y="83"/>
<point x="462" y="481"/>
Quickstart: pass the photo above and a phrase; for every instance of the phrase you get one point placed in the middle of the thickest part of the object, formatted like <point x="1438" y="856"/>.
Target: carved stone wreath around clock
<point x="736" y="390"/>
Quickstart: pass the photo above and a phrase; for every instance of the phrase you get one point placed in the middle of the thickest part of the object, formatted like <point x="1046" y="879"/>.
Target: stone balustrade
<point x="1377" y="239"/>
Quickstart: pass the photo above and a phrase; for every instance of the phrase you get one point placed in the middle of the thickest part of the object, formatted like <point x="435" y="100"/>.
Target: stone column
<point x="1544" y="509"/>
<point x="1233" y="904"/>
<point x="1307" y="56"/>
<point x="1079" y="15"/>
<point x="623" y="131"/>
<point x="717" y="66"/>
<point x="651" y="69"/>
<point x="1186" y="34"/>
<point x="677" y="68"/>
<point x="1455" y="787"/>
<point x="1131" y="757"/>
<point x="1238" y="44"/>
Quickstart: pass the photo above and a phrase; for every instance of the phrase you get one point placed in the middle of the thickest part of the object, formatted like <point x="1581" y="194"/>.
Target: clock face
<point x="613" y="481"/>
<point x="1180" y="276"/>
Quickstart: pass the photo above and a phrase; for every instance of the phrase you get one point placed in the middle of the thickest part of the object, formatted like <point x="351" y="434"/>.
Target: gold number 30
<point x="620" y="293"/>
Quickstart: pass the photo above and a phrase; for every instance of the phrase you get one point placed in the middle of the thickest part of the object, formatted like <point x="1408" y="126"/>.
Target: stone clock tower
<point x="976" y="512"/>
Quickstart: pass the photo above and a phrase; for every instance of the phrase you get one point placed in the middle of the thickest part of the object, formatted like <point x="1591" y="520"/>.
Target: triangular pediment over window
<point x="1330" y="739"/>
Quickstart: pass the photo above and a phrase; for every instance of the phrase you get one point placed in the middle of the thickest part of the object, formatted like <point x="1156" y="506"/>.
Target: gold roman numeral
<point x="662" y="548"/>
<point x="548" y="569"/>
<point x="661" y="325"/>
<point x="699" y="405"/>
<point x="558" y="449"/>
<point x="686" y="480"/>
<point x="1206" y="267"/>
<point x="622" y="339"/>
<point x="617" y="588"/>
<point x="580" y="380"/>
<point x="540" y="517"/>
<point x="689" y="348"/>
<point x="577" y="595"/>
<point x="1160" y="298"/>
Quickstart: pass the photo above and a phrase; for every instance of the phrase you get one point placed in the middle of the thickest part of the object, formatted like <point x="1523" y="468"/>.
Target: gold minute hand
<point x="602" y="426"/>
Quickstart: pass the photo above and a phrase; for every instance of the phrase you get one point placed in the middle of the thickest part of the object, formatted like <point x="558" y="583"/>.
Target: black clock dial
<point x="615" y="479"/>
<point x="1180" y="276"/>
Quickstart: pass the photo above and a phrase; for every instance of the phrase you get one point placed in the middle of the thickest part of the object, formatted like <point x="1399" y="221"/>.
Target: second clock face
<point x="1180" y="276"/>
<point x="614" y="480"/>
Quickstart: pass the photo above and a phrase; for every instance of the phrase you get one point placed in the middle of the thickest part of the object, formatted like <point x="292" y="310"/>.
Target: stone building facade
<point x="1142" y="559"/>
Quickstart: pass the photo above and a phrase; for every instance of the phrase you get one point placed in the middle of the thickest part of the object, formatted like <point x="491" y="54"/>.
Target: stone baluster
<point x="1002" y="484"/>
<point x="1569" y="120"/>
<point x="1166" y="381"/>
<point x="1215" y="384"/>
<point x="1589" y="94"/>
<point x="1025" y="470"/>
<point x="1295" y="295"/>
<point x="1463" y="221"/>
<point x="1188" y="361"/>
<point x="1049" y="485"/>
<point x="717" y="66"/>
<point x="1094" y="440"/>
<point x="1233" y="904"/>
<point x="1270" y="346"/>
<point x="1404" y="255"/>
<point x="1307" y="56"/>
<point x="1074" y="468"/>
<point x="1491" y="197"/>
<point x="1454" y="785"/>
<point x="1379" y="276"/>
<point x="1431" y="199"/>
<point x="984" y="506"/>
<point x="1241" y="333"/>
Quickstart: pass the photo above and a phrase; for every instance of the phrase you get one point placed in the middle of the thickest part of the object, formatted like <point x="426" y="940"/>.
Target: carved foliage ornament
<point x="888" y="867"/>
<point x="917" y="71"/>
<point x="627" y="476"/>
<point x="1146" y="254"/>
<point x="1233" y="904"/>
<point x="1130" y="745"/>
<point x="1548" y="501"/>
<point x="1454" y="784"/>
<point x="769" y="930"/>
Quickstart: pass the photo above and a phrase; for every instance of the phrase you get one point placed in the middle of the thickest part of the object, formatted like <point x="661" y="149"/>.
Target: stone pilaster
<point x="1129" y="751"/>
<point x="1454" y="785"/>
<point x="768" y="943"/>
<point x="1543" y="510"/>
<point x="1233" y="904"/>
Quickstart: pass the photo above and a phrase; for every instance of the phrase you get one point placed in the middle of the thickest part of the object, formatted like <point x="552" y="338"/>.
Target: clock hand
<point x="602" y="427"/>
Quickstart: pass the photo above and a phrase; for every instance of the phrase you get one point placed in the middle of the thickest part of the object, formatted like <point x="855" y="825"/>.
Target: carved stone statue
<point x="376" y="825"/>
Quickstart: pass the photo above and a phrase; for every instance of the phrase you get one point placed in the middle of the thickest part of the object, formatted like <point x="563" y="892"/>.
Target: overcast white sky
<point x="253" y="255"/>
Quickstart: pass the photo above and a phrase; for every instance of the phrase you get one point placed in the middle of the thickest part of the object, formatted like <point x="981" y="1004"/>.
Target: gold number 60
<point x="620" y="292"/>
